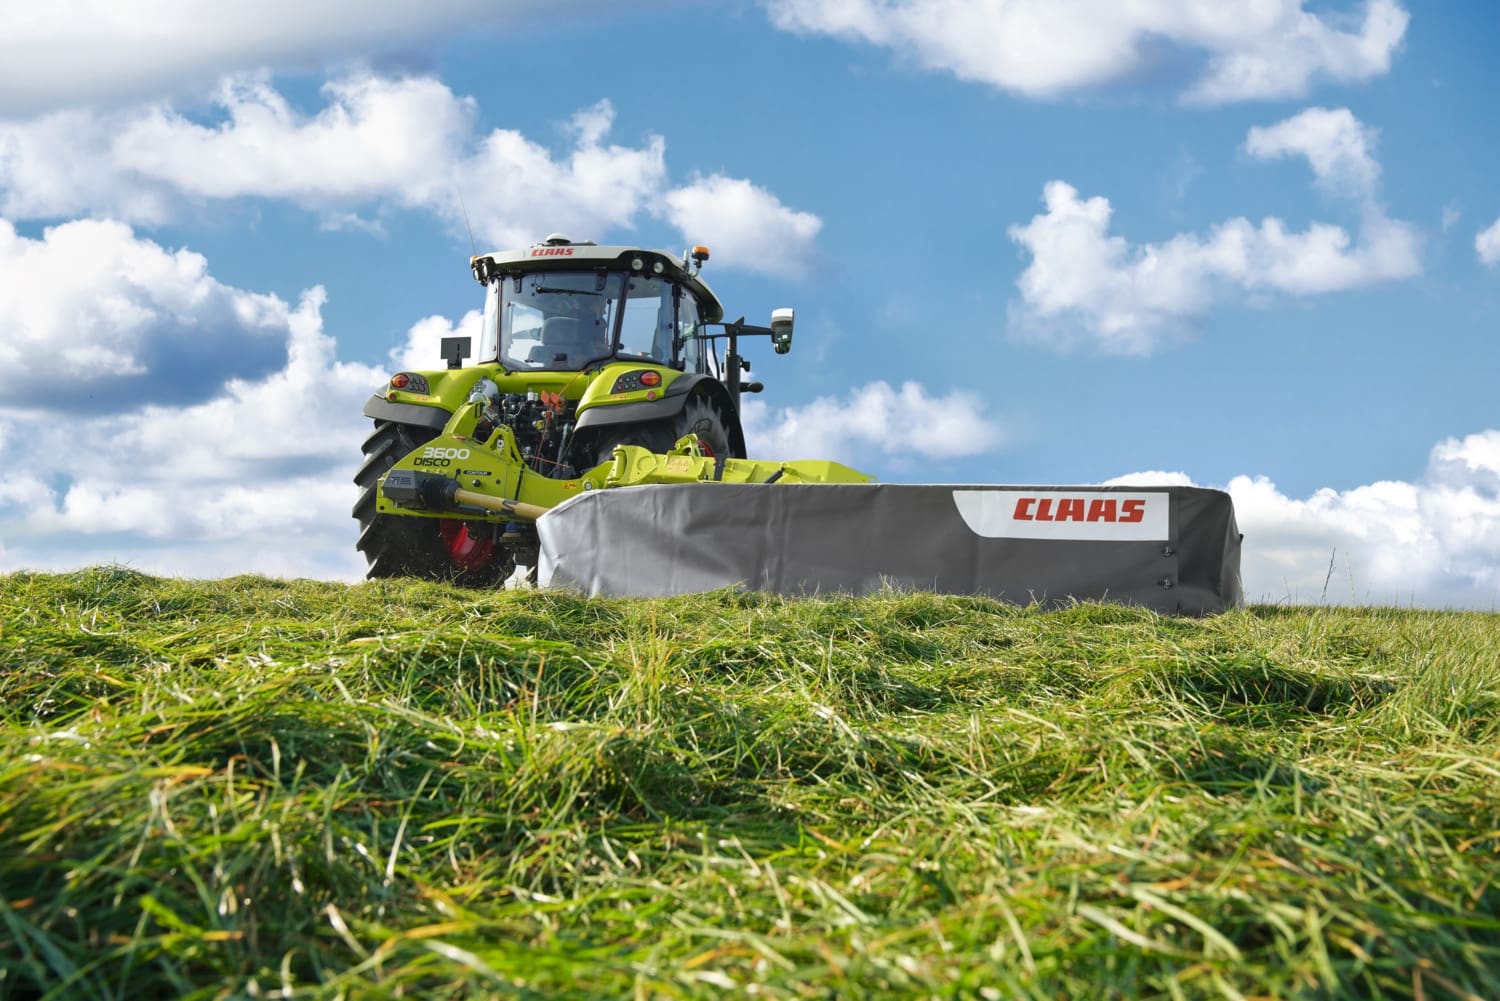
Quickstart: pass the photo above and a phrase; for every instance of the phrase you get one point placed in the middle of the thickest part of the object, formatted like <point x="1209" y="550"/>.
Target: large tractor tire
<point x="430" y="548"/>
<point x="699" y="416"/>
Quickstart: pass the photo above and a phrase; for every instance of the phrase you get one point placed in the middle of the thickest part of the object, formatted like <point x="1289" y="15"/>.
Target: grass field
<point x="268" y="789"/>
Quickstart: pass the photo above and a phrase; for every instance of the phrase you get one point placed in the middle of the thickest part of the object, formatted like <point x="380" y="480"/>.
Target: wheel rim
<point x="463" y="548"/>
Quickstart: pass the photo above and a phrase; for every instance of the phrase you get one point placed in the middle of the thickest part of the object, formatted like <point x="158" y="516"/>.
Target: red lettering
<point x="552" y="252"/>
<point x="1070" y="509"/>
<point x="1102" y="509"/>
<point x="1132" y="511"/>
<point x="1023" y="508"/>
<point x="1044" y="510"/>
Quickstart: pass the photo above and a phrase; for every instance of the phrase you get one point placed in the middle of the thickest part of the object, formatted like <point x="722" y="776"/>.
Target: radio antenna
<point x="473" y="250"/>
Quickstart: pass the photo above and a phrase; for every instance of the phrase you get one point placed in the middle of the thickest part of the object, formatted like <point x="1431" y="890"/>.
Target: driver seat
<point x="569" y="336"/>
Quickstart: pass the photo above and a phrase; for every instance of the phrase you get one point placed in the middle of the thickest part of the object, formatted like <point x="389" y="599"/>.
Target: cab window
<point x="646" y="329"/>
<point x="689" y="333"/>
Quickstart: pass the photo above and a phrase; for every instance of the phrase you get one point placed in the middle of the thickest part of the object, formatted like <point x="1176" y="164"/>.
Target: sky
<point x="1253" y="246"/>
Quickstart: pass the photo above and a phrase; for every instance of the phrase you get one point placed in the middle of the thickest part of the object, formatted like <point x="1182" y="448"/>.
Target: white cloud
<point x="246" y="474"/>
<point x="379" y="144"/>
<point x="594" y="189"/>
<point x="1487" y="244"/>
<point x="422" y="348"/>
<point x="151" y="47"/>
<point x="745" y="226"/>
<point x="376" y="138"/>
<point x="873" y="421"/>
<point x="98" y="319"/>
<point x="1153" y="478"/>
<point x="1041" y="48"/>
<point x="256" y="480"/>
<point x="1085" y="285"/>
<point x="1335" y="143"/>
<point x="62" y="165"/>
<point x="1433" y="543"/>
<point x="1300" y="47"/>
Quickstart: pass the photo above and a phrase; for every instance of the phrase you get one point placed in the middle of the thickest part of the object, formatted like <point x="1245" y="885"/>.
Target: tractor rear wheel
<point x="699" y="417"/>
<point x="702" y="418"/>
<point x="432" y="548"/>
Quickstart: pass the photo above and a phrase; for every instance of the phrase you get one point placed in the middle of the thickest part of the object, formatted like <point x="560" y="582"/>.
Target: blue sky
<point x="1251" y="246"/>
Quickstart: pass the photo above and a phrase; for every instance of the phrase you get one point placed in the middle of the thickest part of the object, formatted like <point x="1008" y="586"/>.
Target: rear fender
<point x="604" y="415"/>
<point x="381" y="409"/>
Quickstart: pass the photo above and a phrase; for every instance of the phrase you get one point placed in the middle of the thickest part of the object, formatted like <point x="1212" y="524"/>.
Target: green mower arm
<point x="457" y="475"/>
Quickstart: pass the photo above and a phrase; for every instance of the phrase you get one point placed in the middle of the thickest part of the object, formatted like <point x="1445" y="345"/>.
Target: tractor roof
<point x="558" y="254"/>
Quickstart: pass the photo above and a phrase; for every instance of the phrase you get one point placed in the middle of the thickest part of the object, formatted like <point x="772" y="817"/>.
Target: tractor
<point x="596" y="366"/>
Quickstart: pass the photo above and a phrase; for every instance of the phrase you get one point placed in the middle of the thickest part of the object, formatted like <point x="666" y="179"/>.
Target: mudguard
<point x="670" y="405"/>
<point x="382" y="409"/>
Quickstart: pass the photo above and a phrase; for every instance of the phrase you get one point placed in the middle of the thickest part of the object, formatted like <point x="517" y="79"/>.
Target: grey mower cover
<point x="1171" y="549"/>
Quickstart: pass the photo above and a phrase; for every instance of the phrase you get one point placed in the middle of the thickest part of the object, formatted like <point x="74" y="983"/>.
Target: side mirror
<point x="455" y="349"/>
<point x="781" y="329"/>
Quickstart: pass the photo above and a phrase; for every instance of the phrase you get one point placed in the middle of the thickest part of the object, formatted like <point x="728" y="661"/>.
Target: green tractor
<point x="592" y="363"/>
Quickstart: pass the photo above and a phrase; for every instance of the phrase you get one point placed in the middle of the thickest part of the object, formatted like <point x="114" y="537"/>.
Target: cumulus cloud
<point x="254" y="480"/>
<point x="1084" y="284"/>
<point x="365" y="143"/>
<point x="151" y="47"/>
<point x="422" y="347"/>
<point x="1432" y="543"/>
<point x="380" y="143"/>
<point x="874" y="421"/>
<point x="1487" y="244"/>
<point x="1042" y="48"/>
<point x="98" y="319"/>
<point x="247" y="470"/>
<point x="750" y="226"/>
<point x="1338" y="147"/>
<point x="597" y="187"/>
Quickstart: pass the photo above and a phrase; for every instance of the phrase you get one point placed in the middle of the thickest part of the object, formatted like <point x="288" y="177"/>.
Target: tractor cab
<point x="584" y="350"/>
<point x="561" y="306"/>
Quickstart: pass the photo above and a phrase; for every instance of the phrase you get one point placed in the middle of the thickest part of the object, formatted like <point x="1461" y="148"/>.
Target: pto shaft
<point x="405" y="488"/>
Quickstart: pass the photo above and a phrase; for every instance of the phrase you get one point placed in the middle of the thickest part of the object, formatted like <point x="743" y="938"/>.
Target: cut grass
<point x="296" y="789"/>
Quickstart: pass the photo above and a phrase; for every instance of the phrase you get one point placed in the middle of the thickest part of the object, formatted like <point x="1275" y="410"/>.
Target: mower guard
<point x="1175" y="550"/>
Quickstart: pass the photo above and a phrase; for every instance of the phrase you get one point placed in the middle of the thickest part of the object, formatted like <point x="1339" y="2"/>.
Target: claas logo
<point x="1099" y="509"/>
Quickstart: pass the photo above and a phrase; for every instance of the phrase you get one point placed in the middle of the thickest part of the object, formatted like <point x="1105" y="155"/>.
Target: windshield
<point x="563" y="320"/>
<point x="550" y="320"/>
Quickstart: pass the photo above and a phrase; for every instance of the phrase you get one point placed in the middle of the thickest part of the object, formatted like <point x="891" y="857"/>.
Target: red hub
<point x="464" y="550"/>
